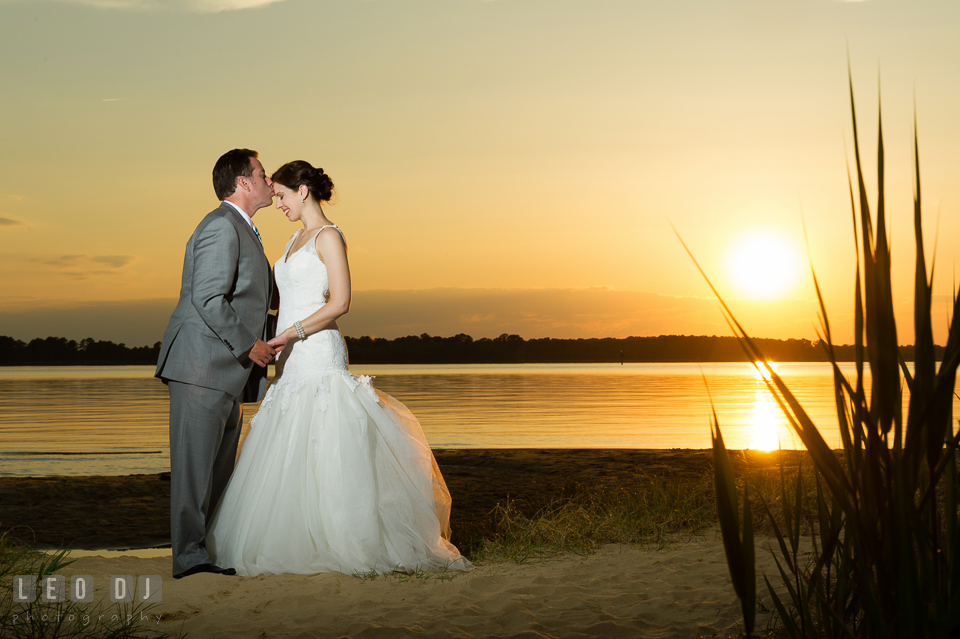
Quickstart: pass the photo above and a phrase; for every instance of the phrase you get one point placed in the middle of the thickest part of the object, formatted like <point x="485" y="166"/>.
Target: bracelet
<point x="300" y="332"/>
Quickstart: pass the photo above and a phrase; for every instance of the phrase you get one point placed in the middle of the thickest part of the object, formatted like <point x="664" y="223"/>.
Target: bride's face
<point x="288" y="201"/>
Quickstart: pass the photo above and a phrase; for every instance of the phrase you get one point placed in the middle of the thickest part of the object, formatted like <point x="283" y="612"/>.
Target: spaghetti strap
<point x="327" y="226"/>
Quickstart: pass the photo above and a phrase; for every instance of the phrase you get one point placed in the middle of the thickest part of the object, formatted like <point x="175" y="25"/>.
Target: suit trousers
<point x="204" y="433"/>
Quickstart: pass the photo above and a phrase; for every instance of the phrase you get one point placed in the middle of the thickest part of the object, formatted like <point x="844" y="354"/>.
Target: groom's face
<point x="261" y="187"/>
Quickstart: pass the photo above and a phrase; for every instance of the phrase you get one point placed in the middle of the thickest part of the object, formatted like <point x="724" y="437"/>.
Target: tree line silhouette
<point x="463" y="349"/>
<point x="59" y="351"/>
<point x="459" y="349"/>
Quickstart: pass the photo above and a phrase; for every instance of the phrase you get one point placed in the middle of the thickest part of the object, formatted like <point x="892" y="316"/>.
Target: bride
<point x="333" y="475"/>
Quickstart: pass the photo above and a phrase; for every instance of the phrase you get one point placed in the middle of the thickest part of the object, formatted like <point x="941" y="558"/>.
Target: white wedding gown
<point x="333" y="475"/>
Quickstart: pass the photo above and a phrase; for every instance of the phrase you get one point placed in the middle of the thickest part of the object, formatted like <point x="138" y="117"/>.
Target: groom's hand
<point x="261" y="353"/>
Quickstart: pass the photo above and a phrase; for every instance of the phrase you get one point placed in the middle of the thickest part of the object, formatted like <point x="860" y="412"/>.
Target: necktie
<point x="257" y="234"/>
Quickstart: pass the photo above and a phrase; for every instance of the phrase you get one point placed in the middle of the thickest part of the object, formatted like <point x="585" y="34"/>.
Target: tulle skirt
<point x="333" y="475"/>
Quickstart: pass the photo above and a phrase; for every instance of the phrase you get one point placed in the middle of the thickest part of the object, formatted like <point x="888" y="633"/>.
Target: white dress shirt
<point x="242" y="213"/>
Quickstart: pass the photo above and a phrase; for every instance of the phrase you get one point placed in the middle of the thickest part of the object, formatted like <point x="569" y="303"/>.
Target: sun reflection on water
<point x="766" y="418"/>
<point x="764" y="422"/>
<point x="761" y="373"/>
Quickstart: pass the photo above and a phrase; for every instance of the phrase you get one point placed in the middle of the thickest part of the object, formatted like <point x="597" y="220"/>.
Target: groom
<point x="214" y="357"/>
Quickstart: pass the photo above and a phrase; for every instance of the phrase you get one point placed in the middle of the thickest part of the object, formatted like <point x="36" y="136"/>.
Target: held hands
<point x="280" y="341"/>
<point x="261" y="352"/>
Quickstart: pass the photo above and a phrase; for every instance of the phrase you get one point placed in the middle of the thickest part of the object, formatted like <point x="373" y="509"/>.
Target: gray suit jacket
<point x="225" y="294"/>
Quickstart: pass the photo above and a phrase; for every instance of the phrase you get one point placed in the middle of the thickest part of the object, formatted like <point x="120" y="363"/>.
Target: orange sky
<point x="507" y="166"/>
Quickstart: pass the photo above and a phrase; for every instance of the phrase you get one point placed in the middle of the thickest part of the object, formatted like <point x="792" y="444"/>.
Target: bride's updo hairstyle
<point x="294" y="174"/>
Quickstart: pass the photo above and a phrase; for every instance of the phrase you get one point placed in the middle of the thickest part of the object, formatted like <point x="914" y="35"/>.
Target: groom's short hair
<point x="231" y="166"/>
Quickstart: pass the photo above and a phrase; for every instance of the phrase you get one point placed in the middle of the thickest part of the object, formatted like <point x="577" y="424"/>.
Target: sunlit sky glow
<point x="508" y="166"/>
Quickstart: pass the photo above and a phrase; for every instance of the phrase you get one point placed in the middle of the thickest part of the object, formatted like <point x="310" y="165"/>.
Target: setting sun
<point x="763" y="265"/>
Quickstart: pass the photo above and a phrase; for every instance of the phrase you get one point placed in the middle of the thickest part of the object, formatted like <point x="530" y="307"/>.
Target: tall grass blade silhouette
<point x="740" y="551"/>
<point x="885" y="530"/>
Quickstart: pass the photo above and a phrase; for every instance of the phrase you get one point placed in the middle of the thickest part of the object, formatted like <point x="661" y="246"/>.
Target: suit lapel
<point x="243" y="223"/>
<point x="238" y="219"/>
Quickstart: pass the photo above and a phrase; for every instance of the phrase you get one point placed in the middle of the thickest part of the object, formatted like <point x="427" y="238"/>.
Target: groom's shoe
<point x="217" y="570"/>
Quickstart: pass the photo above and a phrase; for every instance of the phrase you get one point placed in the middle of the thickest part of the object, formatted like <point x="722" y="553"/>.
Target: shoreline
<point x="678" y="586"/>
<point x="118" y="512"/>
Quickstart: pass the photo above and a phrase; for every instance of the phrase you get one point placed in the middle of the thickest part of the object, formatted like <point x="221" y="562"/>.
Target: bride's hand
<point x="280" y="341"/>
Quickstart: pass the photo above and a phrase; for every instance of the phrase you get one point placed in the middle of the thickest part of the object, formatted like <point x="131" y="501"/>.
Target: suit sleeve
<point x="216" y="256"/>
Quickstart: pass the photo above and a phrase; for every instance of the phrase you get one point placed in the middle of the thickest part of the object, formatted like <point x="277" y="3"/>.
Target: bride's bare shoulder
<point x="330" y="243"/>
<point x="330" y="235"/>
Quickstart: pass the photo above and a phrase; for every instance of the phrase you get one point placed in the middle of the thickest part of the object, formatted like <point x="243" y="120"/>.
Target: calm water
<point x="113" y="420"/>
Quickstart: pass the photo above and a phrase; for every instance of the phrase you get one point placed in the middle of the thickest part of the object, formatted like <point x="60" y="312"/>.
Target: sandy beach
<point x="680" y="590"/>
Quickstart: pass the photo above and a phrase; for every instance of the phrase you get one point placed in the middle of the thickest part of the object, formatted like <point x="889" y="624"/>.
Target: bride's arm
<point x="331" y="248"/>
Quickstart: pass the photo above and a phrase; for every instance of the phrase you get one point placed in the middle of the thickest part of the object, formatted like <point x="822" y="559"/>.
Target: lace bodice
<point x="304" y="288"/>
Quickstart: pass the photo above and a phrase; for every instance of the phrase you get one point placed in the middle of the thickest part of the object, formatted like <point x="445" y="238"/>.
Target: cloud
<point x="115" y="261"/>
<point x="6" y="220"/>
<point x="63" y="260"/>
<point x="531" y="313"/>
<point x="563" y="313"/>
<point x="186" y="6"/>
<point x="132" y="322"/>
<point x="215" y="6"/>
<point x="82" y="267"/>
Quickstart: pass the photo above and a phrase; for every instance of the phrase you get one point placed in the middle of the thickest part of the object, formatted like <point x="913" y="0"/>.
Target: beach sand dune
<point x="682" y="590"/>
